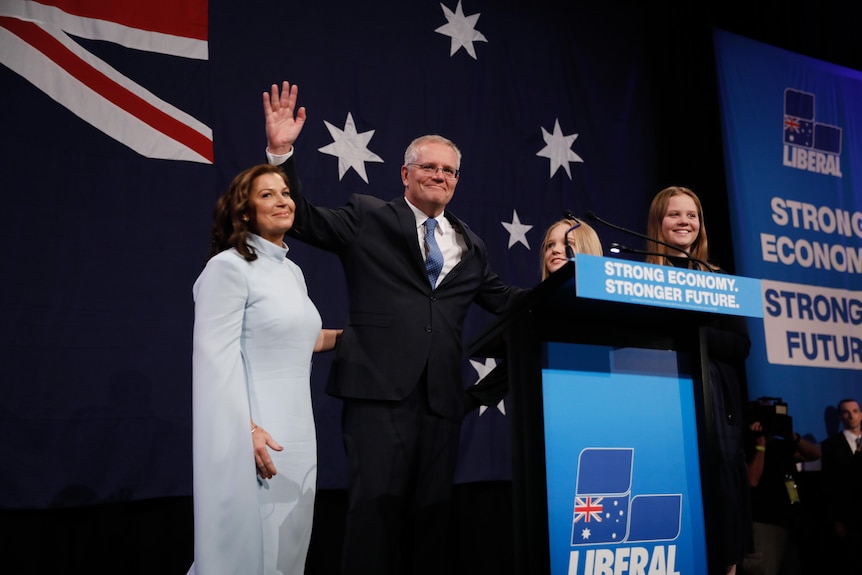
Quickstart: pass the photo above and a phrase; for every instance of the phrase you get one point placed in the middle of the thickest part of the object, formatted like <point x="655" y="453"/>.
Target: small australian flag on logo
<point x="800" y="127"/>
<point x="604" y="510"/>
<point x="798" y="118"/>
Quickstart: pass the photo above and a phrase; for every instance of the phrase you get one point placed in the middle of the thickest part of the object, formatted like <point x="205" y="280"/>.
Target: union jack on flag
<point x="588" y="508"/>
<point x="798" y="132"/>
<point x="46" y="43"/>
<point x="791" y="124"/>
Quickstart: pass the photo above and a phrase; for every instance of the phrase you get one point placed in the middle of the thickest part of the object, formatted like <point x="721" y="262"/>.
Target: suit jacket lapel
<point x="407" y="223"/>
<point x="461" y="229"/>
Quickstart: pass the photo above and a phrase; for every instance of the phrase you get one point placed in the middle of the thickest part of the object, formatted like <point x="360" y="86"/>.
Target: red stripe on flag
<point x="186" y="18"/>
<point x="107" y="88"/>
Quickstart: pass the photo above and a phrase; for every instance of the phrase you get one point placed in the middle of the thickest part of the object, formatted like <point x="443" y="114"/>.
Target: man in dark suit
<point x="842" y="485"/>
<point x="398" y="367"/>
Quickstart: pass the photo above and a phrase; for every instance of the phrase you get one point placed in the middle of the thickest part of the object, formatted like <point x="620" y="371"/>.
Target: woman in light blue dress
<point x="254" y="442"/>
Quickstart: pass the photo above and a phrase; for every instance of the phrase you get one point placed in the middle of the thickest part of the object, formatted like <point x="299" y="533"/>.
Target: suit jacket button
<point x="433" y="298"/>
<point x="428" y="328"/>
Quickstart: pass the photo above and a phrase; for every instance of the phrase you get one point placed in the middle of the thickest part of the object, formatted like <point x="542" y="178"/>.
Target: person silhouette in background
<point x="772" y="450"/>
<point x="842" y="485"/>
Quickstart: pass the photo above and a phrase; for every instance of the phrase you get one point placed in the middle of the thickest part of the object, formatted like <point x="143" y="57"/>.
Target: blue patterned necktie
<point x="434" y="260"/>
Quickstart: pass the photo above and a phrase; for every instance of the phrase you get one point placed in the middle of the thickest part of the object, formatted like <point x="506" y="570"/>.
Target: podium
<point x="613" y="442"/>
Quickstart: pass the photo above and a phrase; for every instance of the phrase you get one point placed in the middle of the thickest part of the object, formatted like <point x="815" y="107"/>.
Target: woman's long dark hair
<point x="233" y="216"/>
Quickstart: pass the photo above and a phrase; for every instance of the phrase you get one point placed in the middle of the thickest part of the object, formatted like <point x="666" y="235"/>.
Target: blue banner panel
<point x="792" y="129"/>
<point x="621" y="499"/>
<point x="649" y="284"/>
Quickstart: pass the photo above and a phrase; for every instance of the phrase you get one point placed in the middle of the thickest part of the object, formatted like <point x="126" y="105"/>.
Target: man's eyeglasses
<point x="431" y="170"/>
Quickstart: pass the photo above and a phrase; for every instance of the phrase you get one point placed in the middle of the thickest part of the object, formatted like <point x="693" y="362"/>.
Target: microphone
<point x="686" y="256"/>
<point x="570" y="251"/>
<point x="677" y="261"/>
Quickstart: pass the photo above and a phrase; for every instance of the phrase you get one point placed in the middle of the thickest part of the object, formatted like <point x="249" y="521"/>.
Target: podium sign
<point x="649" y="284"/>
<point x="622" y="461"/>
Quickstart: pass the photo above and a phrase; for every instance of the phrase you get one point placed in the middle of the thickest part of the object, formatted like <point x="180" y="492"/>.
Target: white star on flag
<point x="517" y="230"/>
<point x="350" y="148"/>
<point x="484" y="369"/>
<point x="558" y="150"/>
<point x="461" y="29"/>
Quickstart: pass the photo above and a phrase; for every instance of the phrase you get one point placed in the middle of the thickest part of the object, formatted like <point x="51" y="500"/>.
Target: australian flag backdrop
<point x="124" y="121"/>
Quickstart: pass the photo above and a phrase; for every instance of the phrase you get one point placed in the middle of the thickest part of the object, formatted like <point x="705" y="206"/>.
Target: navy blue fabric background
<point x="103" y="245"/>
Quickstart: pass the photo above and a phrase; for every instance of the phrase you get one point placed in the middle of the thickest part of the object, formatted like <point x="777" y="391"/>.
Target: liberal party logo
<point x="809" y="145"/>
<point x="606" y="513"/>
<point x="605" y="510"/>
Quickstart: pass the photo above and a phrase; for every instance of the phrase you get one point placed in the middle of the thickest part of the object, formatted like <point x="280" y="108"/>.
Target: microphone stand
<point x="676" y="261"/>
<point x="570" y="251"/>
<point x="592" y="216"/>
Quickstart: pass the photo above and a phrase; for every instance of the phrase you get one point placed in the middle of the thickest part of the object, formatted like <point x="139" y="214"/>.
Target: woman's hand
<point x="262" y="442"/>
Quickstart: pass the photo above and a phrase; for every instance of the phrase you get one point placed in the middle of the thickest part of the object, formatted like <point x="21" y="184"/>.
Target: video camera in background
<point x="771" y="412"/>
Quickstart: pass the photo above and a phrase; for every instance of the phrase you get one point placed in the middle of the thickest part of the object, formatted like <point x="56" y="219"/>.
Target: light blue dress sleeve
<point x="223" y="451"/>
